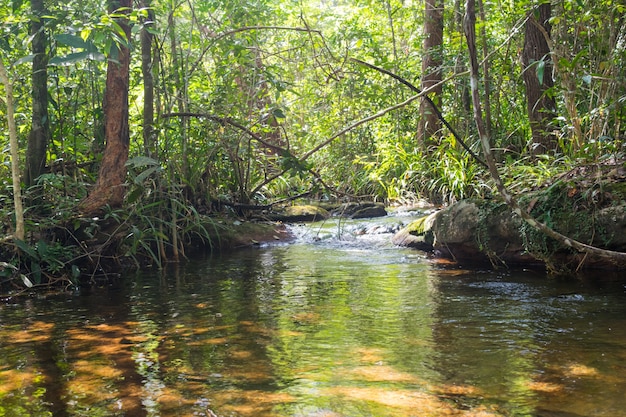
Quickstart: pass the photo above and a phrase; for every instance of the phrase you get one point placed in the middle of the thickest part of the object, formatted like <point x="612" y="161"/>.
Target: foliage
<point x="247" y="95"/>
<point x="160" y="221"/>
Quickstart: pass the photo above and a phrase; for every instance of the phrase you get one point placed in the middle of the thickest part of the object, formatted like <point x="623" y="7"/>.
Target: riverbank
<point x="477" y="232"/>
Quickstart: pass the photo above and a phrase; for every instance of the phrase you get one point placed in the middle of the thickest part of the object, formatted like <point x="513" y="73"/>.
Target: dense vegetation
<point x="233" y="105"/>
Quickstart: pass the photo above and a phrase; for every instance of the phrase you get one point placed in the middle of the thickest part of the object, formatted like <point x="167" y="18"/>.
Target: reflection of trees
<point x="486" y="335"/>
<point x="351" y="322"/>
<point x="291" y="331"/>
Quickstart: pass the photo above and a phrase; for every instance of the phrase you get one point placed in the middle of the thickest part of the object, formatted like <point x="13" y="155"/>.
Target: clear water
<point x="337" y="324"/>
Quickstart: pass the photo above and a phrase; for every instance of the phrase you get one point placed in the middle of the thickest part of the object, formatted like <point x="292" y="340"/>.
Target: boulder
<point x="418" y="234"/>
<point x="480" y="232"/>
<point x="476" y="231"/>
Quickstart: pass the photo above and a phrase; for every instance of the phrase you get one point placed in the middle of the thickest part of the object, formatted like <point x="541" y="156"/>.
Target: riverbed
<point x="338" y="323"/>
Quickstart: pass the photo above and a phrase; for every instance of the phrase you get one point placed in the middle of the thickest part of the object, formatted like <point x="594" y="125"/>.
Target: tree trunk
<point x="537" y="74"/>
<point x="429" y="124"/>
<point x="109" y="188"/>
<point x="39" y="136"/>
<point x="461" y="92"/>
<point x="486" y="76"/>
<point x="15" y="155"/>
<point x="148" y="82"/>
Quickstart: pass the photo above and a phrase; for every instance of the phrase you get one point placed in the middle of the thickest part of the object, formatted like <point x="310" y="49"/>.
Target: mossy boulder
<point x="477" y="231"/>
<point x="480" y="232"/>
<point x="417" y="234"/>
<point x="233" y="234"/>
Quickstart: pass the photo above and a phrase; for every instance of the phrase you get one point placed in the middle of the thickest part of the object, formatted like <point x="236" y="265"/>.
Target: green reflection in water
<point x="318" y="330"/>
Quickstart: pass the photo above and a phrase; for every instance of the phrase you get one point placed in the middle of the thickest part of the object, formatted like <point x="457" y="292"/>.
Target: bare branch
<point x="231" y="122"/>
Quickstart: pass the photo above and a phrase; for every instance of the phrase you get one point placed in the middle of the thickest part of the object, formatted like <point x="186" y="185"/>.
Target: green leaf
<point x="75" y="42"/>
<point x="26" y="281"/>
<point x="145" y="174"/>
<point x="278" y="113"/>
<point x="26" y="248"/>
<point x="35" y="268"/>
<point x="42" y="249"/>
<point x="63" y="61"/>
<point x="134" y="195"/>
<point x="24" y="59"/>
<point x="75" y="272"/>
<point x="141" y="161"/>
<point x="541" y="66"/>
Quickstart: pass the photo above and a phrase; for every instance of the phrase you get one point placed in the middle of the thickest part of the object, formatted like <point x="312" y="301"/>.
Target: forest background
<point x="129" y="125"/>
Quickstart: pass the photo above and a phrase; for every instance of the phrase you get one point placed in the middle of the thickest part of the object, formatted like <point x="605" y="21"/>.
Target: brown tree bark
<point x="109" y="188"/>
<point x="39" y="136"/>
<point x="429" y="124"/>
<point x="538" y="83"/>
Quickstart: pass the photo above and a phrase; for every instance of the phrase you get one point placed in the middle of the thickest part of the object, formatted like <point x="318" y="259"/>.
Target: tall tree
<point x="39" y="136"/>
<point x="148" y="79"/>
<point x="429" y="123"/>
<point x="537" y="74"/>
<point x="109" y="188"/>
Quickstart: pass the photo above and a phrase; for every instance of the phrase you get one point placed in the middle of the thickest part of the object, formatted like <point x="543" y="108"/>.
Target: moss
<point x="569" y="210"/>
<point x="417" y="227"/>
<point x="306" y="212"/>
<point x="234" y="234"/>
<point x="617" y="190"/>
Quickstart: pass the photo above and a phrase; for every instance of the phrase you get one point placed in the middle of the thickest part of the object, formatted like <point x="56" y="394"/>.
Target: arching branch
<point x="430" y="101"/>
<point x="231" y="122"/>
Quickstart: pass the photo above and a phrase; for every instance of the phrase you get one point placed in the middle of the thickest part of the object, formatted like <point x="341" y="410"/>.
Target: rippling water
<point x="338" y="324"/>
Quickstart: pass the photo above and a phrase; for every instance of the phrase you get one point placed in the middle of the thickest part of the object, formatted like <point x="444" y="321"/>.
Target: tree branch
<point x="231" y="122"/>
<point x="430" y="101"/>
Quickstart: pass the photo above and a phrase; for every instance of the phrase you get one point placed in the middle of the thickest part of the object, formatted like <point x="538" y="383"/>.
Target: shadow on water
<point x="338" y="324"/>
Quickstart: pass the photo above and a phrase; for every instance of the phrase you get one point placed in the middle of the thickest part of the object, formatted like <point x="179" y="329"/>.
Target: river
<point x="339" y="323"/>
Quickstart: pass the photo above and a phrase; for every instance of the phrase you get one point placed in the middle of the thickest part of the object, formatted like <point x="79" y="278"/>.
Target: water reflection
<point x="318" y="329"/>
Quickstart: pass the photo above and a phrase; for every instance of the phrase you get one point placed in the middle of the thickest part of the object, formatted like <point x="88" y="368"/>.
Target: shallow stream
<point x="339" y="323"/>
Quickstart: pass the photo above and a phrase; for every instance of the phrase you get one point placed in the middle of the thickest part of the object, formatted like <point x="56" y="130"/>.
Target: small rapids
<point x="355" y="233"/>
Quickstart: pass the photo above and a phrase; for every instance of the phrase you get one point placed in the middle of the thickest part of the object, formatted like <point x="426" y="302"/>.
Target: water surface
<point x="338" y="324"/>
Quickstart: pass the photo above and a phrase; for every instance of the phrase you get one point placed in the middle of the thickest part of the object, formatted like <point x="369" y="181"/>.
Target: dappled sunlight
<point x="17" y="379"/>
<point x="212" y="341"/>
<point x="36" y="332"/>
<point x="369" y="355"/>
<point x="457" y="390"/>
<point x="391" y="343"/>
<point x="406" y="402"/>
<point x="576" y="370"/>
<point x="250" y="403"/>
<point x="379" y="373"/>
<point x="546" y="387"/>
